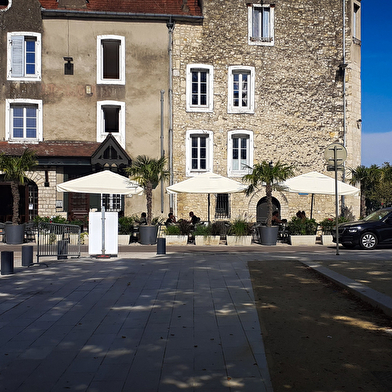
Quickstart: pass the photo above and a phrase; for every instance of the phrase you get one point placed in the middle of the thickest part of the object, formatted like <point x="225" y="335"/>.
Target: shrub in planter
<point x="203" y="230"/>
<point x="173" y="230"/>
<point x="240" y="227"/>
<point x="185" y="227"/>
<point x="302" y="226"/>
<point x="125" y="225"/>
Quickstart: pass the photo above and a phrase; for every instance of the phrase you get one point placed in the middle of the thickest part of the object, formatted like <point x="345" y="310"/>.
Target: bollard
<point x="161" y="246"/>
<point x="27" y="256"/>
<point x="62" y="250"/>
<point x="7" y="263"/>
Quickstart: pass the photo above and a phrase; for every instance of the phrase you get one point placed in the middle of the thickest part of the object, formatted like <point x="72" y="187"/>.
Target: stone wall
<point x="298" y="94"/>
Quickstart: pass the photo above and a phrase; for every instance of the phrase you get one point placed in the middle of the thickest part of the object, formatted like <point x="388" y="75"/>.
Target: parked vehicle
<point x="374" y="229"/>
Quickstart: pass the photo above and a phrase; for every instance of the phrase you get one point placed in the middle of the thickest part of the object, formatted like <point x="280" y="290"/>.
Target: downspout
<point x="344" y="94"/>
<point x="170" y="26"/>
<point x="162" y="150"/>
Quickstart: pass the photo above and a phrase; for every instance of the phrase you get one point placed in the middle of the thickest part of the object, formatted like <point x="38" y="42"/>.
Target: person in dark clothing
<point x="194" y="218"/>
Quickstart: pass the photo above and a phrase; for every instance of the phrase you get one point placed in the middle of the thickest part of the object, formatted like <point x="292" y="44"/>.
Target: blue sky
<point x="376" y="82"/>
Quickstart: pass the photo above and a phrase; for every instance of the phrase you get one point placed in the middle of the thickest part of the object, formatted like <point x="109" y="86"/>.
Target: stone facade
<point x="298" y="97"/>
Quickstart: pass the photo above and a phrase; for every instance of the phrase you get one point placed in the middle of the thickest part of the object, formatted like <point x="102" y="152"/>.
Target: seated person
<point x="276" y="220"/>
<point x="194" y="218"/>
<point x="170" y="220"/>
<point x="143" y="219"/>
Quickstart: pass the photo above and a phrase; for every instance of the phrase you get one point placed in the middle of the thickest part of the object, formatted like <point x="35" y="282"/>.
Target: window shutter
<point x="17" y="56"/>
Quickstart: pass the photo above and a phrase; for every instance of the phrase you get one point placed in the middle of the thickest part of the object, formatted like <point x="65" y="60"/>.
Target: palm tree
<point x="148" y="173"/>
<point x="368" y="177"/>
<point x="14" y="169"/>
<point x="268" y="174"/>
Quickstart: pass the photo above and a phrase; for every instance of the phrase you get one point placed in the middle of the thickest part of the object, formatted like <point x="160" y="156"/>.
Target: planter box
<point x="239" y="240"/>
<point x="176" y="239"/>
<point x="303" y="240"/>
<point x="123" y="239"/>
<point x="326" y="239"/>
<point x="207" y="240"/>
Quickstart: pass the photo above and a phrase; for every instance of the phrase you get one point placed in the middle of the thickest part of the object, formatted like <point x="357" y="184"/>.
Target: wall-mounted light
<point x="68" y="66"/>
<point x="89" y="90"/>
<point x="359" y="123"/>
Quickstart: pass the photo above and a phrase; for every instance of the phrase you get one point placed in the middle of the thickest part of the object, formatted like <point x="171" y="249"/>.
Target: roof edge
<point x="119" y="15"/>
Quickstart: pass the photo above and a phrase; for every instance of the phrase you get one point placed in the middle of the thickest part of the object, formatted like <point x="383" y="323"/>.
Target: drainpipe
<point x="344" y="92"/>
<point x="170" y="25"/>
<point x="162" y="149"/>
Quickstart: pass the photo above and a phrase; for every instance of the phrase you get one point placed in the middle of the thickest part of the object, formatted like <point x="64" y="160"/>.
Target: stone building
<point x="84" y="84"/>
<point x="270" y="81"/>
<point x="213" y="84"/>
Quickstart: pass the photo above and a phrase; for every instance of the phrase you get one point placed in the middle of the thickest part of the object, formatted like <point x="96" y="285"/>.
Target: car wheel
<point x="368" y="241"/>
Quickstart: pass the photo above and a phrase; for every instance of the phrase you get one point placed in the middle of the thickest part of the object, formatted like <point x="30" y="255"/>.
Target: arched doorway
<point x="262" y="209"/>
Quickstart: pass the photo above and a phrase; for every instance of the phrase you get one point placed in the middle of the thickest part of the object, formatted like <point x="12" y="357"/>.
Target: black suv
<point x="375" y="229"/>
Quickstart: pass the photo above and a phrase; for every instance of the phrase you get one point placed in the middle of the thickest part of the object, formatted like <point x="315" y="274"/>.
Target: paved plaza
<point x="182" y="321"/>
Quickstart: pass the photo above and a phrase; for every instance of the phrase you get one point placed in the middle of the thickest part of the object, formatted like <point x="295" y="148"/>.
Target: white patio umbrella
<point x="104" y="182"/>
<point x="207" y="183"/>
<point x="317" y="183"/>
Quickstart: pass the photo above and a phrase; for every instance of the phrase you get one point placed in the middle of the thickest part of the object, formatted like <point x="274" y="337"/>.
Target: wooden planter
<point x="303" y="240"/>
<point x="207" y="240"/>
<point x="239" y="240"/>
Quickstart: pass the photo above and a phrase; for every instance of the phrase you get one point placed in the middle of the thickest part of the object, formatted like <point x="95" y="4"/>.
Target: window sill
<point x="24" y="141"/>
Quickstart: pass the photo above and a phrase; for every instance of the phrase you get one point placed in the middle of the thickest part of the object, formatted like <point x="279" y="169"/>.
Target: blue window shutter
<point x="17" y="55"/>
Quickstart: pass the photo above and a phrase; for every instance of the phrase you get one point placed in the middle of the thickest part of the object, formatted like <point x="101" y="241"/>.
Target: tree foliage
<point x="15" y="169"/>
<point x="268" y="174"/>
<point x="376" y="186"/>
<point x="148" y="172"/>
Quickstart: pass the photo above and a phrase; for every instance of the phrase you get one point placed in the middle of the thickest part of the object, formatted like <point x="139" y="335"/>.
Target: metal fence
<point x="55" y="239"/>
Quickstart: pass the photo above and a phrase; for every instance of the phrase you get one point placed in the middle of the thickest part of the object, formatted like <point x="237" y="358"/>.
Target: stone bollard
<point x="7" y="262"/>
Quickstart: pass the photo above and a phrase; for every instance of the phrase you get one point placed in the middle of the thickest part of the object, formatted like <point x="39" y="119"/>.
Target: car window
<point x="377" y="215"/>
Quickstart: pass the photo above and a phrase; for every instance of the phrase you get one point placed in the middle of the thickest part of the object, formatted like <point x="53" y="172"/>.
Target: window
<point x="111" y="119"/>
<point x="199" y="88"/>
<point x="261" y="24"/>
<point x="240" y="153"/>
<point x="112" y="202"/>
<point x="356" y="32"/>
<point x="198" y="152"/>
<point x="241" y="90"/>
<point x="222" y="209"/>
<point x="23" y="120"/>
<point x="110" y="59"/>
<point x="5" y="5"/>
<point x="24" y="56"/>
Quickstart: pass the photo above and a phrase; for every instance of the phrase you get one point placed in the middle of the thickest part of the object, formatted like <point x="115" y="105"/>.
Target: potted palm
<point x="148" y="172"/>
<point x="265" y="173"/>
<point x="14" y="169"/>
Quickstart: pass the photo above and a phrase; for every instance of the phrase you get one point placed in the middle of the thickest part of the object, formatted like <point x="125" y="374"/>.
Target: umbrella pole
<point x="103" y="225"/>
<point x="311" y="207"/>
<point x="209" y="203"/>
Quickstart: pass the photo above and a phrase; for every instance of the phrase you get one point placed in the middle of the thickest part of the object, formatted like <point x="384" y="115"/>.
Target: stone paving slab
<point x="175" y="322"/>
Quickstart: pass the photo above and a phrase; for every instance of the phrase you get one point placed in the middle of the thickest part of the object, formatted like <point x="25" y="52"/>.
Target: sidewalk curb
<point x="372" y="297"/>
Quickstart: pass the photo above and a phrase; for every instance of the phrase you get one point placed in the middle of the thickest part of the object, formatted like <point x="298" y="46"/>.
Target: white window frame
<point x="100" y="66"/>
<point x="263" y="41"/>
<point x="249" y="147"/>
<point x="209" y="153"/>
<point x="101" y="134"/>
<point x="9" y="120"/>
<point x="356" y="22"/>
<point x="210" y="88"/>
<point x="23" y="35"/>
<point x="251" y="89"/>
